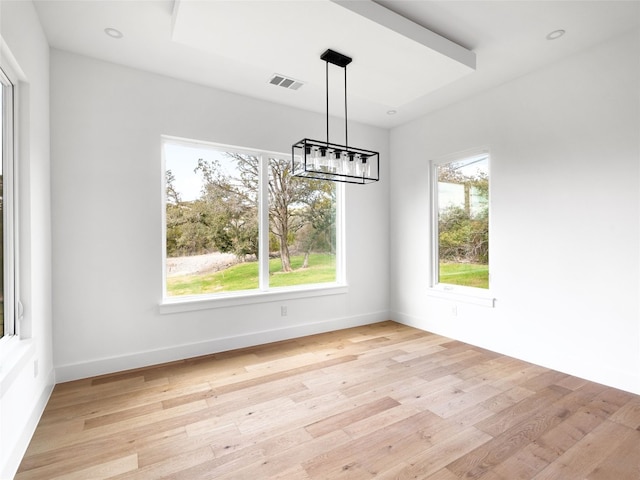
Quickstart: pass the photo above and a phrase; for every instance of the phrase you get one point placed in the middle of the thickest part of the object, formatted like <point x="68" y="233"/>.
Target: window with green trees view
<point x="461" y="221"/>
<point x="237" y="220"/>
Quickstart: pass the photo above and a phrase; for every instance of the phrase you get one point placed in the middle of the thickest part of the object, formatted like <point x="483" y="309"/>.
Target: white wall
<point x="106" y="201"/>
<point x="26" y="373"/>
<point x="565" y="217"/>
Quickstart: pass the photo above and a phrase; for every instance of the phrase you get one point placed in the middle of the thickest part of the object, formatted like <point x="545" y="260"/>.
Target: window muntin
<point x="461" y="221"/>
<point x="224" y="206"/>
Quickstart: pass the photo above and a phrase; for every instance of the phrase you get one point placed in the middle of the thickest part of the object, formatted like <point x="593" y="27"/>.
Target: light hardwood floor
<point x="384" y="400"/>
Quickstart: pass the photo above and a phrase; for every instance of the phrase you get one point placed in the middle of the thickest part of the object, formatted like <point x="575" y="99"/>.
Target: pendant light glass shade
<point x="327" y="161"/>
<point x="322" y="160"/>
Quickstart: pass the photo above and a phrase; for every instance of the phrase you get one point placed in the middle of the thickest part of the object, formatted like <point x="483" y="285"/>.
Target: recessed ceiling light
<point x="391" y="112"/>
<point x="555" y="34"/>
<point x="113" y="33"/>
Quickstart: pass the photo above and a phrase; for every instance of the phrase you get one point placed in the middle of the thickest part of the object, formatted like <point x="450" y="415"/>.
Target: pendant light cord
<point x="346" y="130"/>
<point x="327" y="89"/>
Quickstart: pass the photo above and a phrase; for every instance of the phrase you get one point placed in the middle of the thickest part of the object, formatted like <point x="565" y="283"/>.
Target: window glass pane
<point x="463" y="222"/>
<point x="302" y="228"/>
<point x="211" y="220"/>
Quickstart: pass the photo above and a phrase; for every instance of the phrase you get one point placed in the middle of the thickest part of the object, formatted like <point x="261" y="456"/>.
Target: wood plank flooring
<point x="384" y="400"/>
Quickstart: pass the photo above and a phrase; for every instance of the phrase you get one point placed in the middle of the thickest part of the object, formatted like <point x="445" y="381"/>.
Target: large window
<point x="7" y="206"/>
<point x="238" y="221"/>
<point x="460" y="194"/>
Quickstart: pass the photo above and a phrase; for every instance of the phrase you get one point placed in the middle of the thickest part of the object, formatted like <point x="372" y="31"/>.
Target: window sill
<point x="202" y="302"/>
<point x="456" y="293"/>
<point x="14" y="354"/>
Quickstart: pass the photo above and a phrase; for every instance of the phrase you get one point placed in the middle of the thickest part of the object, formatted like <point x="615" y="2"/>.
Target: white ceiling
<point x="237" y="45"/>
<point x="292" y="46"/>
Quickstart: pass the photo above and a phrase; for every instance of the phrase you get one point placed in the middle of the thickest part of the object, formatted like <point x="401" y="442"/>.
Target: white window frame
<point x="263" y="293"/>
<point x="10" y="207"/>
<point x="474" y="295"/>
<point x="16" y="346"/>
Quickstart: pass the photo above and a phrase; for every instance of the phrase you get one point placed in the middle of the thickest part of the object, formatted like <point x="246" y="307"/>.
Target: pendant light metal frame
<point x="323" y="160"/>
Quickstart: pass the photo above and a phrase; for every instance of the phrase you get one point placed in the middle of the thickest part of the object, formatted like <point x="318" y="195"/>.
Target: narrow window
<point x="238" y="221"/>
<point x="7" y="279"/>
<point x="461" y="221"/>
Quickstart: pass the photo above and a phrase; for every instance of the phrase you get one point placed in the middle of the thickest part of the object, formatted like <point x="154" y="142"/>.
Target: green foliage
<point x="244" y="276"/>
<point x="463" y="224"/>
<point x="225" y="217"/>
<point x="230" y="206"/>
<point x="188" y="229"/>
<point x="321" y="268"/>
<point x="463" y="237"/>
<point x="463" y="228"/>
<point x="465" y="274"/>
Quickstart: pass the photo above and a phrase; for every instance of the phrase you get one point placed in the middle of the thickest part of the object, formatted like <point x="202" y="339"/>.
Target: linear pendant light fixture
<point x="323" y="160"/>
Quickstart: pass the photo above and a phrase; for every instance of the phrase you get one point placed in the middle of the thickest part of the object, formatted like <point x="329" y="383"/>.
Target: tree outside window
<point x="462" y="209"/>
<point x="213" y="222"/>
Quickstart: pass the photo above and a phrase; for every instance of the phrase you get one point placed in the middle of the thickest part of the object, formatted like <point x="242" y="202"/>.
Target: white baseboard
<point x="69" y="372"/>
<point x="11" y="466"/>
<point x="408" y="320"/>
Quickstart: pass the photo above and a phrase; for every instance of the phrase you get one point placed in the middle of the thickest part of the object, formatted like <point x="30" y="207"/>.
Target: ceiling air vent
<point x="286" y="82"/>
